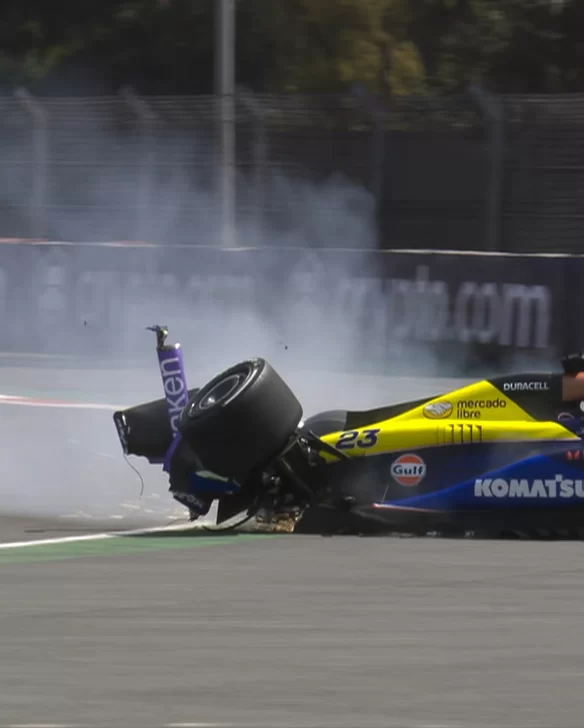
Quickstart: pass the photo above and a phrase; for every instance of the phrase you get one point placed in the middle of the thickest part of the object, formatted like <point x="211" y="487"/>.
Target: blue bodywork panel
<point x="540" y="482"/>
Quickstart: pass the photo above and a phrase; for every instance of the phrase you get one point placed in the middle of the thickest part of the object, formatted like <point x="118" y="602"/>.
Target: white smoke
<point x="311" y="329"/>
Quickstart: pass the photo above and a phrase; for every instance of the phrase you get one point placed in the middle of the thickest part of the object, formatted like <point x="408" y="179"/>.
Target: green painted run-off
<point x="109" y="547"/>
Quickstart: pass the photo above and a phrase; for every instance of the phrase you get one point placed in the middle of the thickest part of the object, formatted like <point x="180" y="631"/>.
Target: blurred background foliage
<point x="393" y="47"/>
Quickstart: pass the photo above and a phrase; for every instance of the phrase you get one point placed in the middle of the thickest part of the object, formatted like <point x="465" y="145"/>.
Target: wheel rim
<point x="220" y="391"/>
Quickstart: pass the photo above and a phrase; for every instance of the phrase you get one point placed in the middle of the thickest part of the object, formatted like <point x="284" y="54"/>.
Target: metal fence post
<point x="226" y="119"/>
<point x="493" y="111"/>
<point x="40" y="146"/>
<point x="378" y="152"/>
<point x="374" y="108"/>
<point x="146" y="120"/>
<point x="260" y="156"/>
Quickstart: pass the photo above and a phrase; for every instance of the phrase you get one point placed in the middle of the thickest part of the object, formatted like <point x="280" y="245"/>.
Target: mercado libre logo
<point x="438" y="410"/>
<point x="408" y="470"/>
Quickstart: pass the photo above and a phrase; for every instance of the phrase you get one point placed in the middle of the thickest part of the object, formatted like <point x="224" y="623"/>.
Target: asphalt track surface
<point x="241" y="630"/>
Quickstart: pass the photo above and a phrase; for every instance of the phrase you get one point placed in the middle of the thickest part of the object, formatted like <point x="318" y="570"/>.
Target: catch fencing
<point x="478" y="171"/>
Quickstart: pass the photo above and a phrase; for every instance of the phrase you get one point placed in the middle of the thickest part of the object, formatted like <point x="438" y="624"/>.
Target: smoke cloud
<point x="322" y="328"/>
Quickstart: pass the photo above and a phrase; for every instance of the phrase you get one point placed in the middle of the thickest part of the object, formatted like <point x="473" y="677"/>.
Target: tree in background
<point x="327" y="45"/>
<point x="390" y="46"/>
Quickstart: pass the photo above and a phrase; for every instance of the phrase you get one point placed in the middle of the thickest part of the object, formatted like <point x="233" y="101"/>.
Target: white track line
<point x="60" y="403"/>
<point x="102" y="536"/>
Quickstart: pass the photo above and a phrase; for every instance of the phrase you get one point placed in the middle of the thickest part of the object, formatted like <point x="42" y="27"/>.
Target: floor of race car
<point x="179" y="627"/>
<point x="532" y="526"/>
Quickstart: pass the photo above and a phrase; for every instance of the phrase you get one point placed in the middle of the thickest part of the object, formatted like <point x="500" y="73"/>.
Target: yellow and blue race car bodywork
<point x="500" y="454"/>
<point x="503" y="452"/>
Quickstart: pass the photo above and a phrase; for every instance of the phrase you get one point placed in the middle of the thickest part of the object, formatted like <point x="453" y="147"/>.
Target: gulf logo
<point x="408" y="470"/>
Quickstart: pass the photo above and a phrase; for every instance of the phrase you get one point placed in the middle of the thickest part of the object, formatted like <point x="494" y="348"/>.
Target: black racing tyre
<point x="241" y="419"/>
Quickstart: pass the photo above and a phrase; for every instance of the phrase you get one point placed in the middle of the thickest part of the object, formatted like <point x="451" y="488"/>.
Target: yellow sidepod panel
<point x="394" y="436"/>
<point x="477" y="413"/>
<point x="474" y="403"/>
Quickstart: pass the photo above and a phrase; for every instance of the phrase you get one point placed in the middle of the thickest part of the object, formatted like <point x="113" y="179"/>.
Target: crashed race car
<point x="499" y="456"/>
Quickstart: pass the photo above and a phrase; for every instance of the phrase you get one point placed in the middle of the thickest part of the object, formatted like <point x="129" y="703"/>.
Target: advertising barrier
<point x="469" y="308"/>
